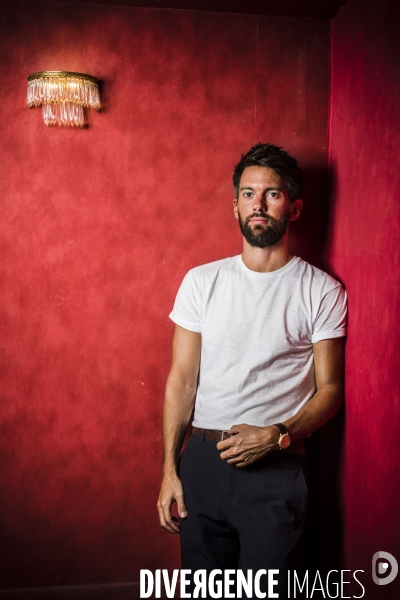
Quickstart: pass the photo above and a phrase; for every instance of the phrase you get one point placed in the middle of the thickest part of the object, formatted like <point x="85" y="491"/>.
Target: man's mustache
<point x="261" y="216"/>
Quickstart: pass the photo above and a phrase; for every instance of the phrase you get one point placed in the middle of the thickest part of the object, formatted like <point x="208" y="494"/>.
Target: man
<point x="259" y="349"/>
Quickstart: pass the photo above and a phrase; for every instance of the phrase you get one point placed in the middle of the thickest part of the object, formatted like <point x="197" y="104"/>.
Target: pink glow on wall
<point x="364" y="252"/>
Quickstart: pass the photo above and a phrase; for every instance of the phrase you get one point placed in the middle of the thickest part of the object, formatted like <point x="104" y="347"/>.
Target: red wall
<point x="364" y="252"/>
<point x="98" y="227"/>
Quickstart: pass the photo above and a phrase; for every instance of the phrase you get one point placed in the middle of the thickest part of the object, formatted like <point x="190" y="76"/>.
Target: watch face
<point x="285" y="441"/>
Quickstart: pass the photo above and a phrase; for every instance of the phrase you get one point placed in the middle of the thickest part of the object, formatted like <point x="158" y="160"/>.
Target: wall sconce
<point x="62" y="96"/>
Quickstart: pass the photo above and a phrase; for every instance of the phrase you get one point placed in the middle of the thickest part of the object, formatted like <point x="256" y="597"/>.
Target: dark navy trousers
<point x="241" y="518"/>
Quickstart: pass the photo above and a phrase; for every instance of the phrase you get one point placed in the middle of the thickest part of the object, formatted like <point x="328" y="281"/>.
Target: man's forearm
<point x="316" y="412"/>
<point x="329" y="376"/>
<point x="178" y="406"/>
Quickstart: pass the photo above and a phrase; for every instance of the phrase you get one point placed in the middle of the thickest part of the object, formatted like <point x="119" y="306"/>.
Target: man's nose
<point x="260" y="202"/>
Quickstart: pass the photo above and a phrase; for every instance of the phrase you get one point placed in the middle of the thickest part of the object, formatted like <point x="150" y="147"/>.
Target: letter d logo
<point x="383" y="567"/>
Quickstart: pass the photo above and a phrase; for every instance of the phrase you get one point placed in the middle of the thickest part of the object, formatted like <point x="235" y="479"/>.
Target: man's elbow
<point x="182" y="384"/>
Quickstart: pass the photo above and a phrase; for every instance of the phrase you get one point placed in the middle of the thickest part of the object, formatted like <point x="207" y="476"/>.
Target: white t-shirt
<point x="257" y="333"/>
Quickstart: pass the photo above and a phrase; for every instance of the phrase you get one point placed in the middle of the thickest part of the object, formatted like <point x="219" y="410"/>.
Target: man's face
<point x="263" y="207"/>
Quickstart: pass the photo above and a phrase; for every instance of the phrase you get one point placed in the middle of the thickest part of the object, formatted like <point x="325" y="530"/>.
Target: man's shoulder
<point x="316" y="276"/>
<point x="212" y="269"/>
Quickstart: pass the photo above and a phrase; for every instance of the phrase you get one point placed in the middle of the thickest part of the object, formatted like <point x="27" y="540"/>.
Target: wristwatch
<point x="284" y="437"/>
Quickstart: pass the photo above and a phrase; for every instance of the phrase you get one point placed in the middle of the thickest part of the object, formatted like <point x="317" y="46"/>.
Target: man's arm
<point x="329" y="378"/>
<point x="178" y="404"/>
<point x="250" y="443"/>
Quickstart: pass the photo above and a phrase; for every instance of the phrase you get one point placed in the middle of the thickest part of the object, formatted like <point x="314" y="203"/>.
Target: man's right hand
<point x="171" y="491"/>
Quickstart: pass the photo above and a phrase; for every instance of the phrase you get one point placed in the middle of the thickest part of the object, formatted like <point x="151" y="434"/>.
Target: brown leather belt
<point x="296" y="447"/>
<point x="212" y="434"/>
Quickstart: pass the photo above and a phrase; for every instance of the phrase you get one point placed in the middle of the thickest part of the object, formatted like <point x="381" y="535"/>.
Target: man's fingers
<point x="234" y="430"/>
<point x="166" y="519"/>
<point x="230" y="441"/>
<point x="226" y="444"/>
<point x="232" y="452"/>
<point x="170" y="527"/>
<point x="171" y="491"/>
<point x="181" y="507"/>
<point x="243" y="461"/>
<point x="237" y="459"/>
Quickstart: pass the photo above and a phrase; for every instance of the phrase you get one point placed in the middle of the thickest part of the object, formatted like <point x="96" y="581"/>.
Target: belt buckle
<point x="222" y="435"/>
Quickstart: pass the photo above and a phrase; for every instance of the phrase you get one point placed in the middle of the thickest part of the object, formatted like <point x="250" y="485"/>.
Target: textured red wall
<point x="98" y="227"/>
<point x="364" y="252"/>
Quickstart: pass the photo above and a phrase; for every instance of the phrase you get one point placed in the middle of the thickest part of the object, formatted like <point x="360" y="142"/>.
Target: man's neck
<point x="265" y="260"/>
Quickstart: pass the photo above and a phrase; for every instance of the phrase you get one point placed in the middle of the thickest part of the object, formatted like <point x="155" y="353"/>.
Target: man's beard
<point x="269" y="234"/>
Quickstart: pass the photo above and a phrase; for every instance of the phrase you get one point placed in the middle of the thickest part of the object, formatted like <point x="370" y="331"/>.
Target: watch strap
<point x="281" y="428"/>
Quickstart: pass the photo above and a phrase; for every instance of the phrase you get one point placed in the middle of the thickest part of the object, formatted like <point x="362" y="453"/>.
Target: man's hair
<point x="275" y="158"/>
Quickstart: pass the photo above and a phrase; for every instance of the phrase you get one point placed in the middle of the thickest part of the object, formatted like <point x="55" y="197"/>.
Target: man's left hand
<point x="248" y="443"/>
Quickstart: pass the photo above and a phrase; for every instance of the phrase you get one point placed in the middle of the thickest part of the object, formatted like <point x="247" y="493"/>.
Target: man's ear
<point x="235" y="210"/>
<point x="296" y="209"/>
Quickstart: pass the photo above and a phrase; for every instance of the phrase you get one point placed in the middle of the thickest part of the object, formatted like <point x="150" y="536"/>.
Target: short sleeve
<point x="187" y="311"/>
<point x="331" y="318"/>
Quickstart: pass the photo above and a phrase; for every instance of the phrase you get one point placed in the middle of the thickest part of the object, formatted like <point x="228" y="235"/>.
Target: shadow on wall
<point x="322" y="546"/>
<point x="323" y="543"/>
<point x="308" y="236"/>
